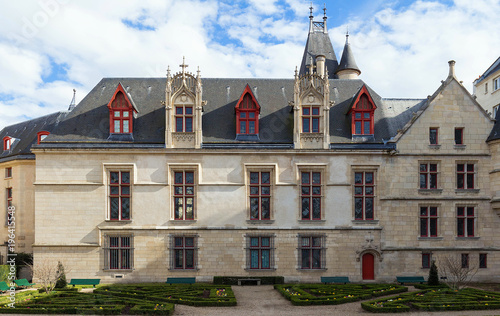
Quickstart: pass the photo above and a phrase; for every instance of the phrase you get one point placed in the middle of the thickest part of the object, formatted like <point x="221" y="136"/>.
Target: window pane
<point x="254" y="190"/>
<point x="189" y="190"/>
<point x="358" y="208"/>
<point x="113" y="259"/>
<point x="189" y="208"/>
<point x="433" y="226"/>
<point x="358" y="190"/>
<point x="254" y="259"/>
<point x="460" y="211"/>
<point x="254" y="208"/>
<point x="357" y="115"/>
<point x="178" y="124"/>
<point x="305" y="111"/>
<point x="460" y="226"/>
<point x="423" y="227"/>
<point x="254" y="241"/>
<point x="305" y="125"/>
<point x="178" y="241"/>
<point x="178" y="191"/>
<point x="316" y="208"/>
<point x="179" y="259"/>
<point x="178" y="208"/>
<point x="243" y="115"/>
<point x="189" y="177"/>
<point x="189" y="258"/>
<point x="316" y="191"/>
<point x="357" y="128"/>
<point x="179" y="110"/>
<point x="460" y="167"/>
<point x="305" y="178"/>
<point x="433" y="136"/>
<point x="266" y="190"/>
<point x="470" y="211"/>
<point x="251" y="115"/>
<point x="178" y="177"/>
<point x="433" y="181"/>
<point x="423" y="167"/>
<point x="254" y="177"/>
<point x="369" y="208"/>
<point x="189" y="241"/>
<point x="117" y="127"/>
<point x="458" y="136"/>
<point x="306" y="241"/>
<point x="265" y="259"/>
<point x="433" y="167"/>
<point x="306" y="261"/>
<point x="305" y="208"/>
<point x="114" y="190"/>
<point x="433" y="211"/>
<point x="316" y="259"/>
<point x="306" y="190"/>
<point x="470" y="227"/>
<point x="125" y="127"/>
<point x="125" y="208"/>
<point x="470" y="167"/>
<point x="368" y="190"/>
<point x="266" y="241"/>
<point x="251" y="127"/>
<point x="117" y="113"/>
<point x="460" y="181"/>
<point x="115" y="207"/>
<point x="266" y="177"/>
<point x="189" y="124"/>
<point x="368" y="177"/>
<point x="423" y="181"/>
<point x="189" y="110"/>
<point x="126" y="177"/>
<point x="265" y="208"/>
<point x="423" y="211"/>
<point x="316" y="177"/>
<point x="315" y="125"/>
<point x="366" y="128"/>
<point x="315" y="111"/>
<point x="470" y="181"/>
<point x="358" y="178"/>
<point x="243" y="126"/>
<point x="125" y="114"/>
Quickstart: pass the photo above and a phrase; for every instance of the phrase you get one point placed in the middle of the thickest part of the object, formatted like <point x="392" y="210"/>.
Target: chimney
<point x="452" y="69"/>
<point x="320" y="65"/>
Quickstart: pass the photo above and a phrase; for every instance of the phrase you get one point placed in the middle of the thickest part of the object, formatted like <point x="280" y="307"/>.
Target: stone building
<point x="487" y="88"/>
<point x="316" y="175"/>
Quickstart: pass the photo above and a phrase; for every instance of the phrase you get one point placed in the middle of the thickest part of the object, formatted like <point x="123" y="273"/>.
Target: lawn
<point x="332" y="294"/>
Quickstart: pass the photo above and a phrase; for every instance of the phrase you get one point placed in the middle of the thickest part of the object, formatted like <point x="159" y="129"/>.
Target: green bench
<point x="410" y="279"/>
<point x="338" y="279"/>
<point x="92" y="282"/>
<point x="23" y="282"/>
<point x="181" y="280"/>
<point x="4" y="287"/>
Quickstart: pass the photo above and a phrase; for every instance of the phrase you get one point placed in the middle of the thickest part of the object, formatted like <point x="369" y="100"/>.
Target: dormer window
<point x="363" y="114"/>
<point x="184" y="118"/>
<point x="41" y="136"/>
<point x="310" y="119"/>
<point x="247" y="116"/>
<point x="7" y="143"/>
<point x="121" y="111"/>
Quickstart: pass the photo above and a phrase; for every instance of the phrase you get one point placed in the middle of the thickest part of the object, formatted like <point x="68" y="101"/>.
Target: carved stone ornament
<point x="183" y="137"/>
<point x="369" y="247"/>
<point x="312" y="137"/>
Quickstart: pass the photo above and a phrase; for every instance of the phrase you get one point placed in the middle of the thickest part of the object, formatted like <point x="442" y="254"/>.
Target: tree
<point x="456" y="271"/>
<point x="61" y="281"/>
<point x="46" y="273"/>
<point x="433" y="278"/>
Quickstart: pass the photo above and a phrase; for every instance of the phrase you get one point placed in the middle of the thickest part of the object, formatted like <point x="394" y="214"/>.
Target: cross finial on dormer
<point x="311" y="11"/>
<point x="183" y="66"/>
<point x="324" y="11"/>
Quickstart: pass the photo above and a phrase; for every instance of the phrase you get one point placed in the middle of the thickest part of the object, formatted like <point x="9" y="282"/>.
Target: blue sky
<point x="402" y="47"/>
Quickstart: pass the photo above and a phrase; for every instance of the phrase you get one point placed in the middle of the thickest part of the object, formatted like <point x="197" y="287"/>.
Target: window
<point x="247" y="113"/>
<point x="183" y="252"/>
<point x="118" y="253"/>
<point x="428" y="221"/>
<point x="7" y="143"/>
<point x="260" y="252"/>
<point x="426" y="260"/>
<point x="260" y="195"/>
<point x="465" y="176"/>
<point x="486" y="87"/>
<point x="121" y="111"/>
<point x="8" y="172"/>
<point x="433" y="136"/>
<point x="119" y="195"/>
<point x="41" y="136"/>
<point x="363" y="113"/>
<point x="465" y="221"/>
<point x="483" y="261"/>
<point x="8" y="204"/>
<point x="364" y="190"/>
<point x="465" y="261"/>
<point x="312" y="252"/>
<point x="459" y="136"/>
<point x="310" y="195"/>
<point x="183" y="118"/>
<point x="310" y="119"/>
<point x="495" y="110"/>
<point x="184" y="194"/>
<point x="496" y="84"/>
<point x="428" y="176"/>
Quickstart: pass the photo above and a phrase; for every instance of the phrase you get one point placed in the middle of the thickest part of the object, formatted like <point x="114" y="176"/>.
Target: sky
<point x="50" y="47"/>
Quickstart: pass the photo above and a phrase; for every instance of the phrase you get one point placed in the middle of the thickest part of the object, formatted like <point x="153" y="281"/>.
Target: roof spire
<point x="347" y="67"/>
<point x="183" y="66"/>
<point x="311" y="17"/>
<point x="73" y="101"/>
<point x="325" y="30"/>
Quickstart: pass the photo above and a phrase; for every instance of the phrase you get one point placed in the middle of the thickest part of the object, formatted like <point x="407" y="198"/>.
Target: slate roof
<point x="25" y="134"/>
<point x="88" y="123"/>
<point x="495" y="131"/>
<point x="347" y="61"/>
<point x="318" y="43"/>
<point x="493" y="68"/>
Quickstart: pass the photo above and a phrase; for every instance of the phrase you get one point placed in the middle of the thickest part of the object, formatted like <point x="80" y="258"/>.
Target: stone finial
<point x="452" y="69"/>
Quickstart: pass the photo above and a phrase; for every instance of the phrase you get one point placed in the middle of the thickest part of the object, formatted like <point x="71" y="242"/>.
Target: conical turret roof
<point x="347" y="61"/>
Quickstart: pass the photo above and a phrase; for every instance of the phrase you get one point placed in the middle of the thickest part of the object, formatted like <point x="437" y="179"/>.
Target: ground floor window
<point x="483" y="261"/>
<point x="183" y="252"/>
<point x="312" y="252"/>
<point x="260" y="252"/>
<point x="426" y="261"/>
<point x="118" y="252"/>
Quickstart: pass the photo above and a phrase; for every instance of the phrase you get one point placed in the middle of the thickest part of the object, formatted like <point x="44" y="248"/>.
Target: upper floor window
<point x="459" y="136"/>
<point x="8" y="172"/>
<point x="41" y="136"/>
<point x="496" y="84"/>
<point x="465" y="175"/>
<point x="433" y="135"/>
<point x="466" y="221"/>
<point x="310" y="119"/>
<point x="119" y="195"/>
<point x="310" y="195"/>
<point x="260" y="195"/>
<point x="183" y="252"/>
<point x="428" y="221"/>
<point x="183" y="118"/>
<point x="363" y="113"/>
<point x="7" y="143"/>
<point x="184" y="194"/>
<point x="364" y="192"/>
<point x="260" y="252"/>
<point x="428" y="175"/>
<point x="247" y="113"/>
<point x="118" y="253"/>
<point x="121" y="110"/>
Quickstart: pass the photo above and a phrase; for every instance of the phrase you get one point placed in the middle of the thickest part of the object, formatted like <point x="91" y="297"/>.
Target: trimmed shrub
<point x="61" y="281"/>
<point x="233" y="280"/>
<point x="433" y="278"/>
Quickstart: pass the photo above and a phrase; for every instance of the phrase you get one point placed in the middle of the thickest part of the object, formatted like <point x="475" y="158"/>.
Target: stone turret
<point x="347" y="68"/>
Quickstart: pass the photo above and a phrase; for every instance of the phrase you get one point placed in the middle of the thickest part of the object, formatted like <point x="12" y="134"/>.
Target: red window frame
<point x="483" y="260"/>
<point x="428" y="221"/>
<point x="183" y="119"/>
<point x="120" y="112"/>
<point x="466" y="221"/>
<point x="426" y="260"/>
<point x="247" y="113"/>
<point x="8" y="172"/>
<point x="120" y="253"/>
<point x="184" y="253"/>
<point x="260" y="251"/>
<point x="41" y="136"/>
<point x="311" y="119"/>
<point x="184" y="194"/>
<point x="364" y="195"/>
<point x="459" y="135"/>
<point x="7" y="143"/>
<point x="465" y="261"/>
<point x="465" y="176"/>
<point x="311" y="252"/>
<point x="120" y="195"/>
<point x="260" y="195"/>
<point x="433" y="136"/>
<point x="428" y="176"/>
<point x="311" y="195"/>
<point x="363" y="115"/>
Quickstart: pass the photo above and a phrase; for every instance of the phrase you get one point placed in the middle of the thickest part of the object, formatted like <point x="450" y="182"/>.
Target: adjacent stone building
<point x="487" y="88"/>
<point x="316" y="175"/>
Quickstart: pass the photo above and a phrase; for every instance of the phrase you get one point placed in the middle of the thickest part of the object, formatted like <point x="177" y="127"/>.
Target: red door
<point x="368" y="266"/>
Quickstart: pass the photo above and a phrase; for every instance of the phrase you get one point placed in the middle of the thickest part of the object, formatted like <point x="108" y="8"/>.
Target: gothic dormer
<point x="121" y="113"/>
<point x="318" y="47"/>
<point x="183" y="105"/>
<point x="311" y="108"/>
<point x="362" y="116"/>
<point x="247" y="116"/>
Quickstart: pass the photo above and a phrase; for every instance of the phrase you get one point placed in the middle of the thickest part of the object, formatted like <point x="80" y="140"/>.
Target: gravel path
<point x="264" y="300"/>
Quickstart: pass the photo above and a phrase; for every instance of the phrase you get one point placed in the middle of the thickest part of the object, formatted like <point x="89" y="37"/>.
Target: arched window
<point x="362" y="114"/>
<point x="121" y="112"/>
<point x="7" y="143"/>
<point x="247" y="114"/>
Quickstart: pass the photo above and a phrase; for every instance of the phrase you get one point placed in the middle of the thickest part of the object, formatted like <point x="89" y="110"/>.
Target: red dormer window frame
<point x="120" y="112"/>
<point x="40" y="136"/>
<point x="362" y="112"/>
<point x="247" y="113"/>
<point x="7" y="143"/>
